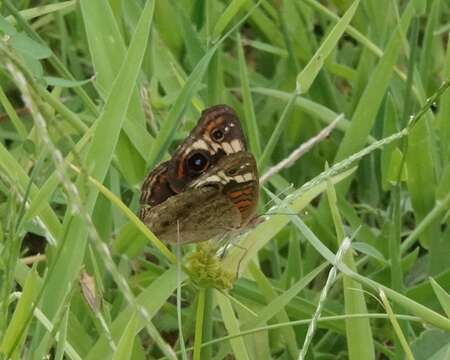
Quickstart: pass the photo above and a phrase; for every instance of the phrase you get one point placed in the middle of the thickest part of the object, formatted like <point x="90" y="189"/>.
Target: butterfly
<point x="208" y="188"/>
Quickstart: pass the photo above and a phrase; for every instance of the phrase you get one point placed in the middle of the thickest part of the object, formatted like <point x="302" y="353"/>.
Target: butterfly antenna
<point x="240" y="261"/>
<point x="223" y="248"/>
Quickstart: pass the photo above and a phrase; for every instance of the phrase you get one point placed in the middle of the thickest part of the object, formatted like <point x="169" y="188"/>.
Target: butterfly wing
<point x="198" y="214"/>
<point x="218" y="133"/>
<point x="155" y="188"/>
<point x="174" y="176"/>
<point x="238" y="175"/>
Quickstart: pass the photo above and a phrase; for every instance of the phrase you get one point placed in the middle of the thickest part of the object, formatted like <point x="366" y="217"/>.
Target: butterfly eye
<point x="218" y="134"/>
<point x="197" y="162"/>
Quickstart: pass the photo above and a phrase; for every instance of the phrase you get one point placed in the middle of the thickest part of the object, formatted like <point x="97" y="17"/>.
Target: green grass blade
<point x="167" y="132"/>
<point x="38" y="11"/>
<point x="430" y="44"/>
<point x="444" y="114"/>
<point x="151" y="298"/>
<point x="192" y="85"/>
<point x="108" y="52"/>
<point x="125" y="345"/>
<point x="54" y="60"/>
<point x="442" y="295"/>
<point x="285" y="335"/>
<point x="232" y="325"/>
<point x="369" y="103"/>
<point x="99" y="156"/>
<point x="20" y="128"/>
<point x="262" y="234"/>
<point x="47" y="218"/>
<point x="249" y="112"/>
<point x="359" y="334"/>
<point x="14" y="334"/>
<point x="227" y="16"/>
<point x="304" y="81"/>
<point x="278" y="303"/>
<point x="396" y="326"/>
<point x="311" y="70"/>
<point x="423" y="312"/>
<point x="199" y="324"/>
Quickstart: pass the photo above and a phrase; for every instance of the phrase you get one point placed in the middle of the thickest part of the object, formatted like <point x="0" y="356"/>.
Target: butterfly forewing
<point x="217" y="133"/>
<point x="155" y="188"/>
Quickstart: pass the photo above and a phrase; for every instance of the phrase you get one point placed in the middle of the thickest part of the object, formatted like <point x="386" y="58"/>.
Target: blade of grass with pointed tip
<point x="123" y="351"/>
<point x="250" y="122"/>
<point x="107" y="49"/>
<point x="311" y="70"/>
<point x="305" y="79"/>
<point x="226" y="17"/>
<point x="442" y="295"/>
<point x="162" y="141"/>
<point x="99" y="156"/>
<point x="367" y="108"/>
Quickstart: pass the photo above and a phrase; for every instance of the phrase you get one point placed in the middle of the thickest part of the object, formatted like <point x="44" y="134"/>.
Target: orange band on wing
<point x="214" y="123"/>
<point x="243" y="204"/>
<point x="180" y="172"/>
<point x="238" y="193"/>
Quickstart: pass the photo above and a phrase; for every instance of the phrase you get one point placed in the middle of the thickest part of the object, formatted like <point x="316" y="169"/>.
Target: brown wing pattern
<point x="155" y="188"/>
<point x="216" y="120"/>
<point x="216" y="216"/>
<point x="174" y="176"/>
<point x="208" y="188"/>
